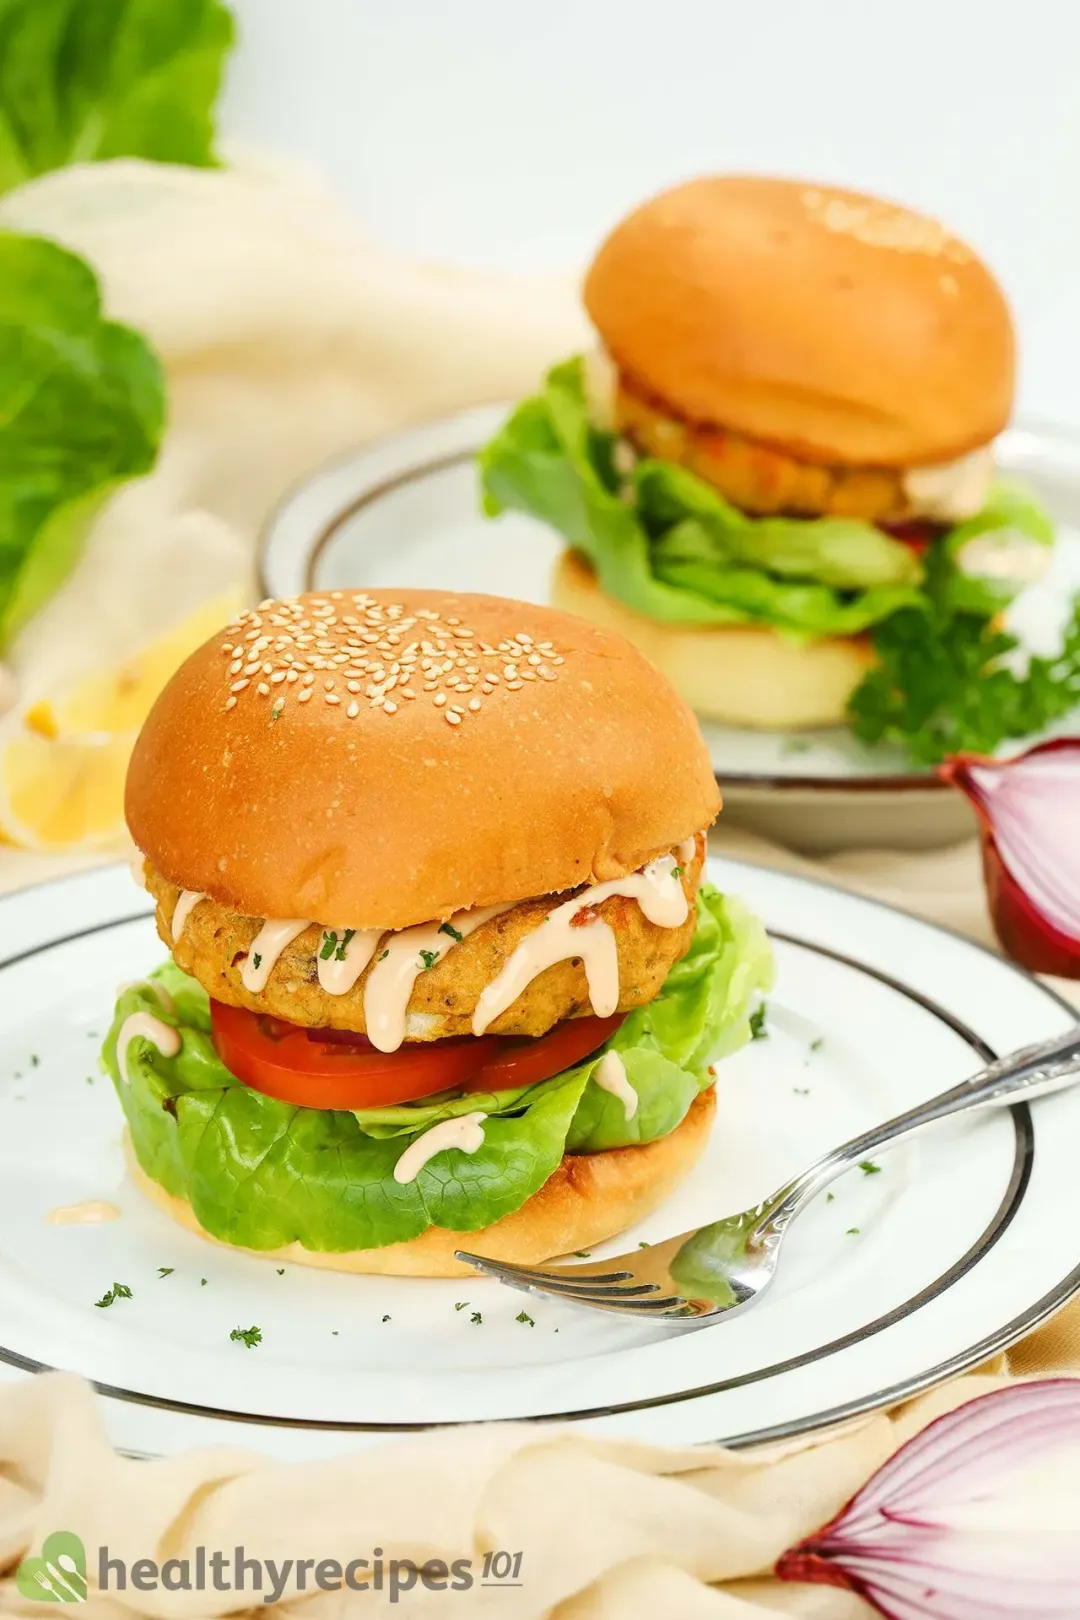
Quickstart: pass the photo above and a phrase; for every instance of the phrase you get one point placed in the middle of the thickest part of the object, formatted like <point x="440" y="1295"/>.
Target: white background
<point x="510" y="134"/>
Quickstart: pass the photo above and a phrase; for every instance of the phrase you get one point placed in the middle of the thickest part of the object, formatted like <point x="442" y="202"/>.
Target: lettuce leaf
<point x="82" y="406"/>
<point x="262" y="1173"/>
<point x="672" y="548"/>
<point x="87" y="80"/>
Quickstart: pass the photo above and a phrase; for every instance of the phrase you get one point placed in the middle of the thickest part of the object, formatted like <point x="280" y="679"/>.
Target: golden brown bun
<point x="740" y="675"/>
<point x="841" y="327"/>
<point x="590" y="1197"/>
<point x="581" y="765"/>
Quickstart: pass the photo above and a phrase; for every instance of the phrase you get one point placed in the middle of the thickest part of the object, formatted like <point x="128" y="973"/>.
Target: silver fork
<point x="726" y="1266"/>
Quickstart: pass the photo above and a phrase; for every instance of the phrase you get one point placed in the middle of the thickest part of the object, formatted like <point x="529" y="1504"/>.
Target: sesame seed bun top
<point x="845" y="329"/>
<point x="382" y="759"/>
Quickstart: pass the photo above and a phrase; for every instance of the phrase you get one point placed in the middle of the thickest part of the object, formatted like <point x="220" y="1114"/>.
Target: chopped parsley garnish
<point x="758" y="1032"/>
<point x="476" y="1317"/>
<point x="333" y="1333"/>
<point x="429" y="959"/>
<point x="385" y="954"/>
<point x="165" y="1271"/>
<point x="582" y="1254"/>
<point x="676" y="871"/>
<point x="523" y="1316"/>
<point x="117" y="1291"/>
<point x="852" y="1231"/>
<point x="829" y="1197"/>
<point x="815" y="1046"/>
<point x="644" y="1245"/>
<point x="329" y="946"/>
<point x="250" y="1336"/>
<point x="202" y="1282"/>
<point x="257" y="961"/>
<point x="869" y="1168"/>
<point x="386" y="1319"/>
<point x="461" y="1304"/>
<point x="801" y="1091"/>
<point x="448" y="928"/>
<point x="281" y="1271"/>
<point x="34" y="1060"/>
<point x="347" y="937"/>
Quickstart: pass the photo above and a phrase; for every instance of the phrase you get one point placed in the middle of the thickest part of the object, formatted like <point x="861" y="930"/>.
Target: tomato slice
<point x="524" y="1062"/>
<point x="338" y="1069"/>
<point x="917" y="536"/>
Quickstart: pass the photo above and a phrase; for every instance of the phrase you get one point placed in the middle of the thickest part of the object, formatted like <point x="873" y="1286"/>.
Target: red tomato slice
<point x="339" y="1069"/>
<point x="918" y="537"/>
<point x="524" y="1062"/>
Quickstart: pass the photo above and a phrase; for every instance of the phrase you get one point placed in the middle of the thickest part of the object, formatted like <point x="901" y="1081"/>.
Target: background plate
<point x="955" y="1248"/>
<point x="404" y="512"/>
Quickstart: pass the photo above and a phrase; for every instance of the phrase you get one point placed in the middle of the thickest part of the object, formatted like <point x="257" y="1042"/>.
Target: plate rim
<point x="476" y="423"/>
<point x="1008" y="1334"/>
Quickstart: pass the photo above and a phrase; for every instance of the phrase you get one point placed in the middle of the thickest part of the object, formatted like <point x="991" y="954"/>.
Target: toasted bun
<point x="400" y="791"/>
<point x="741" y="675"/>
<point x="590" y="1197"/>
<point x="840" y="327"/>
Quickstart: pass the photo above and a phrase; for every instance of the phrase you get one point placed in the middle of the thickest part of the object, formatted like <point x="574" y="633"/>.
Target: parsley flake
<point x="165" y="1271"/>
<point x="524" y="1317"/>
<point x="257" y="961"/>
<point x="815" y="1046"/>
<point x="869" y="1168"/>
<point x="202" y="1282"/>
<point x="346" y="940"/>
<point x="853" y="1231"/>
<point x="385" y="954"/>
<point x="582" y="1254"/>
<point x="329" y="946"/>
<point x="476" y="1317"/>
<point x="829" y="1197"/>
<point x="250" y="1336"/>
<point x="34" y="1060"/>
<point x="281" y="1271"/>
<point x="676" y="871"/>
<point x="117" y="1291"/>
<point x="386" y="1319"/>
<point x="448" y="928"/>
<point x="758" y="1032"/>
<point x="429" y="959"/>
<point x="801" y="1091"/>
<point x="460" y="1304"/>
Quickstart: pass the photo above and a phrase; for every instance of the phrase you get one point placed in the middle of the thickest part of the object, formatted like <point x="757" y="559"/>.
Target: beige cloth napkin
<point x="617" y="1530"/>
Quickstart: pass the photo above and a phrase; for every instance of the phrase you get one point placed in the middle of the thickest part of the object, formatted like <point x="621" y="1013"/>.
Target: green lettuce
<point x="263" y="1174"/>
<point x="669" y="546"/>
<point x="82" y="407"/>
<point x="87" y="80"/>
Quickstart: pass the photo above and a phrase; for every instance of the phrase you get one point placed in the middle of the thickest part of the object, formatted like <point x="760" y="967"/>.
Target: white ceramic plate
<point x="406" y="512"/>
<point x="958" y="1246"/>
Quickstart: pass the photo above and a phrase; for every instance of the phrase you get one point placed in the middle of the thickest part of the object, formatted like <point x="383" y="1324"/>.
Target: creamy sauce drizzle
<point x="466" y="1134"/>
<point x="657" y="891"/>
<point x="610" y="1075"/>
<point x="164" y="1037"/>
<point x="189" y="899"/>
<point x="952" y="490"/>
<point x="687" y="849"/>
<point x="266" y="947"/>
<point x="1006" y="555"/>
<point x="165" y="1001"/>
<point x="400" y="964"/>
<point x="90" y="1213"/>
<point x="341" y="969"/>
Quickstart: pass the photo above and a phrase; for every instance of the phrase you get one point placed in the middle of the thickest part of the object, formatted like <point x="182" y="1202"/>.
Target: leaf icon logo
<point x="59" y="1575"/>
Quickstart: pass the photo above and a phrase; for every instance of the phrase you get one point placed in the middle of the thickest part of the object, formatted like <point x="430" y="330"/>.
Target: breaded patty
<point x="759" y="477"/>
<point x="214" y="944"/>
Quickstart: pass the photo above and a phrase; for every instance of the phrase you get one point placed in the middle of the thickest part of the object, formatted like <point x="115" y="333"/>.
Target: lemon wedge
<point x="62" y="794"/>
<point x="117" y="700"/>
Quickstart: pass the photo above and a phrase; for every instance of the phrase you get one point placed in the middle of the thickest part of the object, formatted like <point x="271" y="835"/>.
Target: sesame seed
<point x="332" y="697"/>
<point x="440" y="699"/>
<point x="455" y="708"/>
<point x="407" y="692"/>
<point x="236" y="666"/>
<point x="389" y="708"/>
<point x="474" y="704"/>
<point x="451" y="718"/>
<point x="277" y="677"/>
<point x="230" y="703"/>
<point x="263" y="689"/>
<point x="309" y="679"/>
<point x="238" y="686"/>
<point x="354" y="686"/>
<point x="329" y="684"/>
<point x="291" y="675"/>
<point x="514" y="686"/>
<point x="353" y="710"/>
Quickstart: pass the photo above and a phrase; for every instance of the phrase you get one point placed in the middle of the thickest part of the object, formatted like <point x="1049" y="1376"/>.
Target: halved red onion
<point x="976" y="1518"/>
<point x="1029" y="821"/>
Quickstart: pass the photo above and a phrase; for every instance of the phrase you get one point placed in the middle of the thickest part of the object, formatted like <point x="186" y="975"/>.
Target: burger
<point x="430" y="870"/>
<point x="776" y="474"/>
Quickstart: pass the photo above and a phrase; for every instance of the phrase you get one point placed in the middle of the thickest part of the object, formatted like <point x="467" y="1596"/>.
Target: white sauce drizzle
<point x="341" y="969"/>
<point x="1004" y="554"/>
<point x="657" y="891"/>
<point x="185" y="905"/>
<point x="387" y="992"/>
<point x="952" y="490"/>
<point x="687" y="849"/>
<point x="610" y="1075"/>
<point x="164" y="1037"/>
<point x="465" y="1133"/>
<point x="165" y="1001"/>
<point x="266" y="947"/>
<point x="90" y="1213"/>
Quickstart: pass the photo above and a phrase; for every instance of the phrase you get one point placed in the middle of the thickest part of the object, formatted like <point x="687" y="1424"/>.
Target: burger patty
<point x="215" y="942"/>
<point x="755" y="476"/>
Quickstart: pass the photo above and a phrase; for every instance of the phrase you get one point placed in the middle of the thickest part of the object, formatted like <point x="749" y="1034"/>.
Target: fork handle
<point x="1021" y="1076"/>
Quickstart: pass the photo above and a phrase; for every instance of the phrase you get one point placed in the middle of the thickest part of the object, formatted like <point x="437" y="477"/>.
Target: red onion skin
<point x="812" y="1569"/>
<point x="1025" y="933"/>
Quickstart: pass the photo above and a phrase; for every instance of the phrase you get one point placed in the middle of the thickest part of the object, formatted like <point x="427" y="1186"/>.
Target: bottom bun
<point x="590" y="1197"/>
<point x="742" y="675"/>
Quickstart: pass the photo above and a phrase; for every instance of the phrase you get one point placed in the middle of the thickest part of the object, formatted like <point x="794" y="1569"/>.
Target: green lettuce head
<point x="264" y="1174"/>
